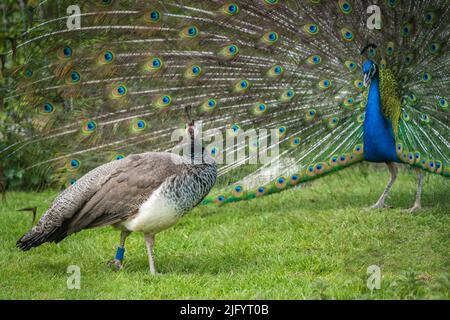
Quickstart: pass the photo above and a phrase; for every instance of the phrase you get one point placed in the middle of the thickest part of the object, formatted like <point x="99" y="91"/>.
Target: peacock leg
<point x="380" y="203"/>
<point x="116" y="263"/>
<point x="417" y="204"/>
<point x="150" y="242"/>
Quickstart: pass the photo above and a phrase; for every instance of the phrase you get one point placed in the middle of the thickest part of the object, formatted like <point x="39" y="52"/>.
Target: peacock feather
<point x="120" y="83"/>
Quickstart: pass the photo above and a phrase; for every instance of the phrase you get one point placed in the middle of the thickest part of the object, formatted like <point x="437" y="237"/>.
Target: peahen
<point x="110" y="78"/>
<point x="146" y="193"/>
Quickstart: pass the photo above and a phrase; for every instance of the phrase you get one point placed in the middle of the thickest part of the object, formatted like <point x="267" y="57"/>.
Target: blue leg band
<point x="120" y="253"/>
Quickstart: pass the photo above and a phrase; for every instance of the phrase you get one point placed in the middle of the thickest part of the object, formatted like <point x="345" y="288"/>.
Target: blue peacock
<point x="335" y="91"/>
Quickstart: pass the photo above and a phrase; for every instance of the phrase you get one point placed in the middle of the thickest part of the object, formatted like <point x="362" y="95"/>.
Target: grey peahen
<point x="114" y="77"/>
<point x="146" y="193"/>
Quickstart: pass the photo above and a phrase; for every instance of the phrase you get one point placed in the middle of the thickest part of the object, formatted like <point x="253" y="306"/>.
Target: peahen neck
<point x="379" y="141"/>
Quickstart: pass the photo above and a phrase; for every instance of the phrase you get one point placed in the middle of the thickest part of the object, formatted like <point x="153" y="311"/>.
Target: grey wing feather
<point x="127" y="188"/>
<point x="106" y="195"/>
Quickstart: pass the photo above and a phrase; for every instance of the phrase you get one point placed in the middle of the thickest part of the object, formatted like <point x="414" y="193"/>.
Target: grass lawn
<point x="315" y="242"/>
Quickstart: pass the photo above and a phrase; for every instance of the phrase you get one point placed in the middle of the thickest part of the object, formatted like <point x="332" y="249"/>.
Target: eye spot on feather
<point x="392" y="3"/>
<point x="73" y="164"/>
<point x="425" y="77"/>
<point x="295" y="141"/>
<point x="47" y="108"/>
<point x="430" y="18"/>
<point x="442" y="102"/>
<point x="27" y="73"/>
<point x="74" y="77"/>
<point x="242" y="86"/>
<point x="347" y="34"/>
<point x="360" y="118"/>
<point x="311" y="29"/>
<point x="434" y="48"/>
<point x="65" y="53"/>
<point x="270" y="38"/>
<point x="275" y="71"/>
<point x="193" y="72"/>
<point x="163" y="101"/>
<point x="325" y="84"/>
<point x="220" y="199"/>
<point x="260" y="191"/>
<point x="314" y="60"/>
<point x="119" y="157"/>
<point x="138" y="125"/>
<point x="230" y="9"/>
<point x="152" y="16"/>
<point x="89" y="127"/>
<point x="407" y="30"/>
<point x="271" y="2"/>
<point x="190" y="32"/>
<point x="310" y="115"/>
<point x="229" y="52"/>
<point x="345" y="7"/>
<point x="425" y="118"/>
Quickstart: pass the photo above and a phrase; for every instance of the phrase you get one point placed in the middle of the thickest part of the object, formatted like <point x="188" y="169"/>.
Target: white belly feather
<point x="156" y="214"/>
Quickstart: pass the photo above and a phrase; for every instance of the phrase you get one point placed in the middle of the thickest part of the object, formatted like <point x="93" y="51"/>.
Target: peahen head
<point x="370" y="71"/>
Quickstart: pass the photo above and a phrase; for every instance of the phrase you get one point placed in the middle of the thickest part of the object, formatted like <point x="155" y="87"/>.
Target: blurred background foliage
<point x="16" y="16"/>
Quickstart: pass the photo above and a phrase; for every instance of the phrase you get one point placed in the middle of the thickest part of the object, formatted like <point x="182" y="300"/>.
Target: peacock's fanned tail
<point x="119" y="84"/>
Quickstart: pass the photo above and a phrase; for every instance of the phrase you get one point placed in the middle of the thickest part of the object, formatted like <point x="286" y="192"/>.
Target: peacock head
<point x="370" y="71"/>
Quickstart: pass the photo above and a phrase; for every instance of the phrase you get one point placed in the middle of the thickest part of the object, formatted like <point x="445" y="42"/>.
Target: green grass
<point x="310" y="243"/>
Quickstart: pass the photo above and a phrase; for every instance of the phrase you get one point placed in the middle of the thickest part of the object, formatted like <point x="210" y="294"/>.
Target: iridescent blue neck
<point x="379" y="141"/>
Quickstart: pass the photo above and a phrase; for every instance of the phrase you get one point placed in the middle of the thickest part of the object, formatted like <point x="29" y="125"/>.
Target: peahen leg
<point x="150" y="241"/>
<point x="417" y="204"/>
<point x="116" y="263"/>
<point x="380" y="203"/>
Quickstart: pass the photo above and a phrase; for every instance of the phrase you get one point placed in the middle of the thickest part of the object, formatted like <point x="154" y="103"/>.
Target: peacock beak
<point x="366" y="80"/>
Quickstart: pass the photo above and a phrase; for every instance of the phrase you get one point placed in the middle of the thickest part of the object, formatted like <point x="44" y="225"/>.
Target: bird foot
<point x="414" y="209"/>
<point x="115" y="264"/>
<point x="379" y="205"/>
